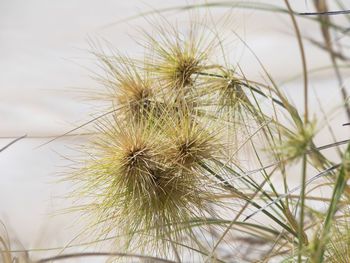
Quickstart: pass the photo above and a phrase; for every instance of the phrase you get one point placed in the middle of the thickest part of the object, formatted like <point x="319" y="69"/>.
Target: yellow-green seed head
<point x="193" y="138"/>
<point x="136" y="184"/>
<point x="295" y="145"/>
<point x="178" y="59"/>
<point x="128" y="86"/>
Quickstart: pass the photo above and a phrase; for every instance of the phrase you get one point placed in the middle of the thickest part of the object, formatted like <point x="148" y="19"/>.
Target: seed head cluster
<point x="145" y="165"/>
<point x="162" y="169"/>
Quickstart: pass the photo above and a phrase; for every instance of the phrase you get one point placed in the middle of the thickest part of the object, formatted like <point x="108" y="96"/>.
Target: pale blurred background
<point x="44" y="60"/>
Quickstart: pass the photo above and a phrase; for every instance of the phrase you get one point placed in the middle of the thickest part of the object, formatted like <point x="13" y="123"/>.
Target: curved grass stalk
<point x="301" y="234"/>
<point x="232" y="4"/>
<point x="12" y="142"/>
<point x="232" y="189"/>
<point x="303" y="59"/>
<point x="330" y="48"/>
<point x="254" y="89"/>
<point x="103" y="254"/>
<point x="81" y="126"/>
<point x="338" y="190"/>
<point x="234" y="221"/>
<point x="294" y="189"/>
<point x="328" y="13"/>
<point x="248" y="173"/>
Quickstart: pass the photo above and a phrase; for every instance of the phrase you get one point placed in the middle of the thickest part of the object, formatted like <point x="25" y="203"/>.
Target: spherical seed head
<point x="225" y="93"/>
<point x="133" y="151"/>
<point x="138" y="190"/>
<point x="178" y="59"/>
<point x="297" y="144"/>
<point x="128" y="86"/>
<point x="183" y="69"/>
<point x="230" y="91"/>
<point x="194" y="139"/>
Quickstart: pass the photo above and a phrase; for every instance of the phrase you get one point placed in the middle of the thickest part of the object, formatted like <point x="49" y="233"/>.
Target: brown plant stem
<point x="303" y="58"/>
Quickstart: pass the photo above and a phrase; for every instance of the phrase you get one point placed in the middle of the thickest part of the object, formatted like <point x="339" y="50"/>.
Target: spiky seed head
<point x="298" y="143"/>
<point x="230" y="93"/>
<point x="227" y="90"/>
<point x="178" y="59"/>
<point x="193" y="138"/>
<point x="136" y="185"/>
<point x="128" y="86"/>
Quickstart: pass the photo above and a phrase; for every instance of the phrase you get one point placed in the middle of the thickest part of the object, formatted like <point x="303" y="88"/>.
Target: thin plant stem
<point x="103" y="254"/>
<point x="328" y="13"/>
<point x="303" y="58"/>
<point x="329" y="48"/>
<point x="235" y="219"/>
<point x="170" y="240"/>
<point x="301" y="214"/>
<point x="293" y="190"/>
<point x="12" y="142"/>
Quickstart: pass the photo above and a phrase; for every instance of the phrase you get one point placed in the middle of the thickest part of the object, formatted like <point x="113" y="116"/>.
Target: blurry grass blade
<point x="103" y="254"/>
<point x="242" y="195"/>
<point x="235" y="220"/>
<point x="338" y="190"/>
<point x="170" y="240"/>
<point x="12" y="142"/>
<point x="81" y="126"/>
<point x="321" y="6"/>
<point x="293" y="190"/>
<point x="343" y="7"/>
<point x="225" y="4"/>
<point x="326" y="13"/>
<point x="303" y="59"/>
<point x="321" y="45"/>
<point x="328" y="146"/>
<point x="243" y="175"/>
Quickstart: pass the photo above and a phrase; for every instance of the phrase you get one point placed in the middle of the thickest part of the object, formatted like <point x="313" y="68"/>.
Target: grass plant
<point x="155" y="171"/>
<point x="168" y="169"/>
